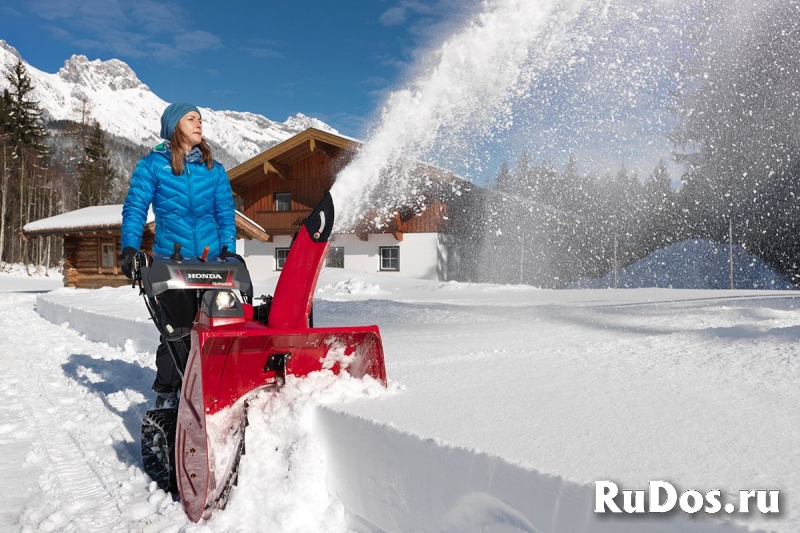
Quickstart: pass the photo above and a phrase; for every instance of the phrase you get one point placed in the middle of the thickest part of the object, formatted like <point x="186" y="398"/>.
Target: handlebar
<point x="139" y="260"/>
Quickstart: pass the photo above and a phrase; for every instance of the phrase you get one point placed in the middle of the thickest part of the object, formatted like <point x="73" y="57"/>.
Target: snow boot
<point x="167" y="400"/>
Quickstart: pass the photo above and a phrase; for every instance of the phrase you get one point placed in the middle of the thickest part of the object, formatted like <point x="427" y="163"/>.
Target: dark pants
<point x="179" y="308"/>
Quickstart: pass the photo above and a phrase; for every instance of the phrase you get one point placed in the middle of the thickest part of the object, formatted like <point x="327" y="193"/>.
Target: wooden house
<point x="279" y="187"/>
<point x="92" y="242"/>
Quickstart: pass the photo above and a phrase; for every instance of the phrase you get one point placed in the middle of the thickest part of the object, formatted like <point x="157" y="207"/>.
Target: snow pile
<point x="18" y="270"/>
<point x="285" y="489"/>
<point x="694" y="264"/>
<point x="349" y="286"/>
<point x="19" y="277"/>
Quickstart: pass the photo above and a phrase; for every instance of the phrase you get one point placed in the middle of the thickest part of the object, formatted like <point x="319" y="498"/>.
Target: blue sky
<point x="333" y="60"/>
<point x="338" y="60"/>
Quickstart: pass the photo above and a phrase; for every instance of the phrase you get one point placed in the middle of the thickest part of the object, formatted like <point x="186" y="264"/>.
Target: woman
<point x="193" y="205"/>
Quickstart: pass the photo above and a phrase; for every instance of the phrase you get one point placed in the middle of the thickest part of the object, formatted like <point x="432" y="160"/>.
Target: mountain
<point x="127" y="108"/>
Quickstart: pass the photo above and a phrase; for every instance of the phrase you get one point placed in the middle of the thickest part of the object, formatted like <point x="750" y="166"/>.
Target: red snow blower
<point x="236" y="348"/>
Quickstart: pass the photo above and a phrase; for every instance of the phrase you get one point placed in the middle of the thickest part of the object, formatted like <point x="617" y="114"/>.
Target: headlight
<point x="221" y="303"/>
<point x="225" y="301"/>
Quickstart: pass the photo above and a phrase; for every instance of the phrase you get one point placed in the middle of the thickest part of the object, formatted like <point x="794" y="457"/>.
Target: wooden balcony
<point x="281" y="222"/>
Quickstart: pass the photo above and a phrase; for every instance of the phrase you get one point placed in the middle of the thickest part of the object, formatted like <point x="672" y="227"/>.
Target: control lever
<point x="176" y="254"/>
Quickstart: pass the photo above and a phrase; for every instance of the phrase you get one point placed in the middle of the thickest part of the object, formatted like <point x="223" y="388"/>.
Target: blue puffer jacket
<point x="194" y="209"/>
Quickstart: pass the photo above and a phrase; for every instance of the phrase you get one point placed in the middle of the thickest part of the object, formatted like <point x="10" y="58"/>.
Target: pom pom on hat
<point x="172" y="115"/>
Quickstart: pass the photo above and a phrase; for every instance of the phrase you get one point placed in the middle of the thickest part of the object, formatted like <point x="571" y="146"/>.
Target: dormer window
<point x="283" y="201"/>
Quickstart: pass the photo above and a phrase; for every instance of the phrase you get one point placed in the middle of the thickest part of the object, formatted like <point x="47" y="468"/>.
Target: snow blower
<point x="235" y="348"/>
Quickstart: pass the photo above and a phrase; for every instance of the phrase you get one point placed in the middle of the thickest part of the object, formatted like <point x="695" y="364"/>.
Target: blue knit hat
<point x="172" y="115"/>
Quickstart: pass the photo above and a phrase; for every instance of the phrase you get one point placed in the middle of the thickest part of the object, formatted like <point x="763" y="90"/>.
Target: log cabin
<point x="92" y="242"/>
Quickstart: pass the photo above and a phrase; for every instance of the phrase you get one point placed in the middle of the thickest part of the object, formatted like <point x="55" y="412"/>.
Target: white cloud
<point x="163" y="31"/>
<point x="394" y="16"/>
<point x="404" y="10"/>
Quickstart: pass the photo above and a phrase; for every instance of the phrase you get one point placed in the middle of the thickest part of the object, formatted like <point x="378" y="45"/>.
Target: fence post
<point x="730" y="249"/>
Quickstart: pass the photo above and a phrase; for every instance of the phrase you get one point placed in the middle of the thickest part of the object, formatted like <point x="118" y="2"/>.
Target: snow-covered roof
<point x="109" y="217"/>
<point x="249" y="220"/>
<point x="250" y="228"/>
<point x="97" y="217"/>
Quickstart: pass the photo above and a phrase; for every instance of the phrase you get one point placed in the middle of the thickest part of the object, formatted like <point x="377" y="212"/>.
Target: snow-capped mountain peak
<point x="8" y="53"/>
<point x="114" y="73"/>
<point x="124" y="106"/>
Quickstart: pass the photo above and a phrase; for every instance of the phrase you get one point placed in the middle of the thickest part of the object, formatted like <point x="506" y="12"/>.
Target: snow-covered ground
<point x="19" y="278"/>
<point x="506" y="403"/>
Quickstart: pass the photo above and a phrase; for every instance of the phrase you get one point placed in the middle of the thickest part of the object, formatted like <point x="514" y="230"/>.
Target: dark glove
<point x="225" y="254"/>
<point x="126" y="258"/>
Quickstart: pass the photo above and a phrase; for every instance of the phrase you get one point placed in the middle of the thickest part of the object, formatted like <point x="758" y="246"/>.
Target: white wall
<point x="419" y="254"/>
<point x="260" y="256"/>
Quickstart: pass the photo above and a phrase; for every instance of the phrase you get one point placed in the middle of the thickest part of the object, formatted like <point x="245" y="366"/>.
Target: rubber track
<point x="158" y="447"/>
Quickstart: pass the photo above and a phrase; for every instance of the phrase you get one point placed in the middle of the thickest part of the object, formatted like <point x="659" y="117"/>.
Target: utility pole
<point x="730" y="248"/>
<point x="615" y="261"/>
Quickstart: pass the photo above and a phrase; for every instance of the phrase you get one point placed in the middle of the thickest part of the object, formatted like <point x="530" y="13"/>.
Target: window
<point x="335" y="257"/>
<point x="283" y="201"/>
<point x="280" y="257"/>
<point x="390" y="257"/>
<point x="108" y="255"/>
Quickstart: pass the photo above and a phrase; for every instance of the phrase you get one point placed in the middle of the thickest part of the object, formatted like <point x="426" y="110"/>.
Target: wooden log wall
<point x="83" y="260"/>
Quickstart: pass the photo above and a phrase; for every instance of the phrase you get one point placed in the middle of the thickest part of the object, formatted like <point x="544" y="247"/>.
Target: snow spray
<point x="588" y="86"/>
<point x="555" y="76"/>
<point x="465" y="90"/>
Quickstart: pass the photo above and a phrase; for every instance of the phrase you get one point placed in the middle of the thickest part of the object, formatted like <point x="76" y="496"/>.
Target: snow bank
<point x="18" y="277"/>
<point x="281" y="485"/>
<point x="98" y="318"/>
<point x="694" y="264"/>
<point x="515" y="399"/>
<point x="389" y="480"/>
<point x="349" y="286"/>
<point x="18" y="269"/>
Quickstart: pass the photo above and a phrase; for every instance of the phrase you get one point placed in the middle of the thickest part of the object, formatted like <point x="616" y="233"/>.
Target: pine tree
<point x="571" y="188"/>
<point x="661" y="227"/>
<point x="547" y="185"/>
<point x="737" y="124"/>
<point x="26" y="170"/>
<point x="97" y="173"/>
<point x="503" y="180"/>
<point x="5" y="113"/>
<point x="5" y="166"/>
<point x="24" y="118"/>
<point x="524" y="181"/>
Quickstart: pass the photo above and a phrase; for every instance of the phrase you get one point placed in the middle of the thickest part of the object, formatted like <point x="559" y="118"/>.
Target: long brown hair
<point x="179" y="139"/>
